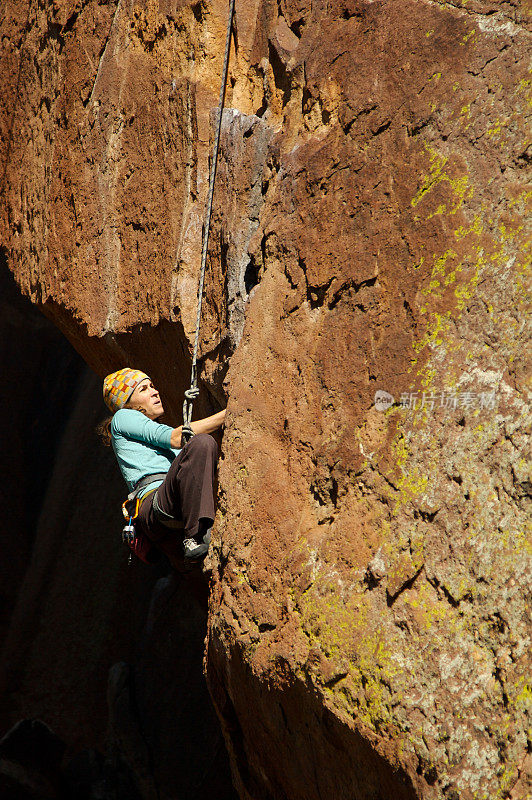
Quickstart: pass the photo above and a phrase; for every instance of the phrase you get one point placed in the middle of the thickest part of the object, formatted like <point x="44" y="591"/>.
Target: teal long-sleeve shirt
<point x="142" y="447"/>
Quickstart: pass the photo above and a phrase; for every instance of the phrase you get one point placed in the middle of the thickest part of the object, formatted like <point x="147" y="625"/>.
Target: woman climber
<point x="174" y="485"/>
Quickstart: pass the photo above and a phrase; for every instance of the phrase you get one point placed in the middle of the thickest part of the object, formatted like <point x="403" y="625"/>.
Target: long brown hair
<point x="104" y="428"/>
<point x="104" y="431"/>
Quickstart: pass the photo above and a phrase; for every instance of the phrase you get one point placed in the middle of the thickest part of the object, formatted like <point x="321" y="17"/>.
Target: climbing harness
<point x="132" y="502"/>
<point x="192" y="393"/>
<point x="136" y="541"/>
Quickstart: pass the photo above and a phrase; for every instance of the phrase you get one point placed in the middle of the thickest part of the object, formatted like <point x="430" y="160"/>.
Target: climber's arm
<point x="134" y="425"/>
<point x="206" y="425"/>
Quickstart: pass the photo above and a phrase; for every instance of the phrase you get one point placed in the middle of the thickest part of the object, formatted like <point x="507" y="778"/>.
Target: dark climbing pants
<point x="187" y="494"/>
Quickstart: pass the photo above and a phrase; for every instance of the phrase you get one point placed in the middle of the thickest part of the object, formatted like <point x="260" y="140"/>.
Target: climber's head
<point x="146" y="398"/>
<point x="131" y="388"/>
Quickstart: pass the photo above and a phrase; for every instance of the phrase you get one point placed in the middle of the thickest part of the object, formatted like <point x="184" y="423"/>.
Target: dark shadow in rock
<point x="300" y="750"/>
<point x="91" y="776"/>
<point x="42" y="371"/>
<point x="80" y="607"/>
<point x="30" y="759"/>
<point x="162" y="718"/>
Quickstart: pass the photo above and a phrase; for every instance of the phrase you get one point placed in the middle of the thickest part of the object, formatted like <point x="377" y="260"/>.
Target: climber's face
<point x="146" y="398"/>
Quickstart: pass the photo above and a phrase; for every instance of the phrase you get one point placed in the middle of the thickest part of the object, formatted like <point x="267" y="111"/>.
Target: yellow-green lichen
<point x="523" y="694"/>
<point x="475" y="228"/>
<point x="435" y="332"/>
<point x="471" y="35"/>
<point x="460" y="188"/>
<point x="435" y="176"/>
<point x="431" y="615"/>
<point x="464" y="292"/>
<point x="335" y="626"/>
<point x="465" y="116"/>
<point x="494" y="129"/>
<point x="412" y="485"/>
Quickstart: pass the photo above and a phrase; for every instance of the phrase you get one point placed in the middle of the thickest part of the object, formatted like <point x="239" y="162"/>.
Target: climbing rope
<point x="192" y="393"/>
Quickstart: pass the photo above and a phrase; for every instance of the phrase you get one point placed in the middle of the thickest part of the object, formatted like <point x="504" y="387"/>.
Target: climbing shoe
<point x="194" y="550"/>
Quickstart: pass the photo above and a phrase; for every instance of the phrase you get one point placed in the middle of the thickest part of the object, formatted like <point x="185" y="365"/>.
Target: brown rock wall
<point x="375" y="558"/>
<point x="370" y="566"/>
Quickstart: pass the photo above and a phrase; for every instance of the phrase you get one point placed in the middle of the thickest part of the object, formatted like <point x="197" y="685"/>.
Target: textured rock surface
<point x="371" y="568"/>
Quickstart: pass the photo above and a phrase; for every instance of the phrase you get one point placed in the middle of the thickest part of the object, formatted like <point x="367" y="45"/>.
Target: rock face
<point x="369" y="632"/>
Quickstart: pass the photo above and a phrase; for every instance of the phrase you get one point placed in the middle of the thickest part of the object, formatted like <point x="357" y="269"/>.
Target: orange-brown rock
<point x="369" y="632"/>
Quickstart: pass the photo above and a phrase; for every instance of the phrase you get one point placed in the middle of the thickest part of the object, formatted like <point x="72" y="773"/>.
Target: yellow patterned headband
<point x="119" y="386"/>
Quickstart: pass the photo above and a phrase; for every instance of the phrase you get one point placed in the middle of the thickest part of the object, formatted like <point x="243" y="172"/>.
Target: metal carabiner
<point x="127" y="514"/>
